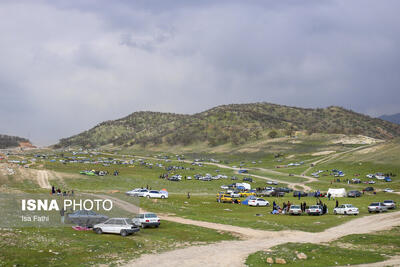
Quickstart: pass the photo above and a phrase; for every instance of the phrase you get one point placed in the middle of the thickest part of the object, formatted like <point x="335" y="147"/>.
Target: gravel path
<point x="234" y="253"/>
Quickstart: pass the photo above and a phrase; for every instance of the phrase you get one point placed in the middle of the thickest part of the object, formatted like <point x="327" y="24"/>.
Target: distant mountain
<point x="236" y="124"/>
<point x="7" y="141"/>
<point x="395" y="118"/>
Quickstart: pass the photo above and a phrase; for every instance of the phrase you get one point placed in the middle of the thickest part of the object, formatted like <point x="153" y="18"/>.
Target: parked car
<point x="302" y="194"/>
<point x="134" y="192"/>
<point x="314" y="210"/>
<point x="248" y="179"/>
<point x="258" y="202"/>
<point x="86" y="218"/>
<point x="369" y="189"/>
<point x="141" y="192"/>
<point x="346" y="209"/>
<point x="265" y="193"/>
<point x="122" y="226"/>
<point x="146" y="220"/>
<point x="225" y="198"/>
<point x="224" y="187"/>
<point x="295" y="210"/>
<point x="390" y="204"/>
<point x="377" y="207"/>
<point x="276" y="193"/>
<point x="388" y="179"/>
<point x="354" y="193"/>
<point x="156" y="194"/>
<point x="388" y="190"/>
<point x="247" y="193"/>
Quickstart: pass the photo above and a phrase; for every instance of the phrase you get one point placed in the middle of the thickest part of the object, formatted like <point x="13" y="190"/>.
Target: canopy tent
<point x="337" y="192"/>
<point x="244" y="186"/>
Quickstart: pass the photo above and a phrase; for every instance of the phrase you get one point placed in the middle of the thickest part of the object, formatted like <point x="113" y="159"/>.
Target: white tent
<point x="337" y="192"/>
<point x="245" y="185"/>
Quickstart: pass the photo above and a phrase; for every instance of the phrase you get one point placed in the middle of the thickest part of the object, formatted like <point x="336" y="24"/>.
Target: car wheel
<point x="157" y="226"/>
<point x="98" y="231"/>
<point x="345" y="213"/>
<point x="162" y="196"/>
<point x="258" y="205"/>
<point x="334" y="212"/>
<point x="124" y="233"/>
<point x="370" y="211"/>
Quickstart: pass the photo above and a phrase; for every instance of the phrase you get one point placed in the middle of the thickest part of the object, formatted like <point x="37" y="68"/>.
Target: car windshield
<point x="295" y="207"/>
<point x="314" y="207"/>
<point x="260" y="199"/>
<point x="349" y="206"/>
<point x="155" y="192"/>
<point x="374" y="204"/>
<point x="151" y="215"/>
<point x="388" y="201"/>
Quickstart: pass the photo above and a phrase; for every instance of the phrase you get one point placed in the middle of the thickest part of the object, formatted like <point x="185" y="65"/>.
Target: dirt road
<point x="234" y="253"/>
<point x="43" y="179"/>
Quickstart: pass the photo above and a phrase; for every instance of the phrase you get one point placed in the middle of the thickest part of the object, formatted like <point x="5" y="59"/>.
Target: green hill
<point x="7" y="141"/>
<point x="236" y="124"/>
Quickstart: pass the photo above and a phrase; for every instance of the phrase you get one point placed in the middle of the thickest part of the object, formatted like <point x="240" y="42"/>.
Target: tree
<point x="272" y="134"/>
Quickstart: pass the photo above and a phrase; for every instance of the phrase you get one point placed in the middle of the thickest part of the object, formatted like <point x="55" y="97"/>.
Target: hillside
<point x="7" y="141"/>
<point x="395" y="118"/>
<point x="236" y="124"/>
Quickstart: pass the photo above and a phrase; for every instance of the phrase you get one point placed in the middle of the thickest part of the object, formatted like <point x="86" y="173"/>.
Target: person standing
<point x="337" y="203"/>
<point x="62" y="212"/>
<point x="188" y="195"/>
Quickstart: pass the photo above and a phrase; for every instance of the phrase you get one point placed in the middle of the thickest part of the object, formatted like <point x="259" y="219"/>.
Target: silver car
<point x="390" y="204"/>
<point x="377" y="207"/>
<point x="295" y="210"/>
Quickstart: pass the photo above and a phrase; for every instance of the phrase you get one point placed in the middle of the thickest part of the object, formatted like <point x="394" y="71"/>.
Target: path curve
<point x="234" y="253"/>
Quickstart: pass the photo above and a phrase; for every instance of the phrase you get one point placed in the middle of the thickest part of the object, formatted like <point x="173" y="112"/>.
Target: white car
<point x="346" y="209"/>
<point x="380" y="177"/>
<point x="146" y="220"/>
<point x="256" y="202"/>
<point x="189" y="178"/>
<point x="377" y="207"/>
<point x="390" y="204"/>
<point x="156" y="194"/>
<point x="141" y="192"/>
<point x="314" y="210"/>
<point x="388" y="190"/>
<point x="370" y="176"/>
<point x="122" y="226"/>
<point x="224" y="187"/>
<point x="295" y="210"/>
<point x="134" y="192"/>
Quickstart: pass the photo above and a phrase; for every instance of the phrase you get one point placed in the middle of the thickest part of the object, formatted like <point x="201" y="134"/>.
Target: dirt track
<point x="234" y="253"/>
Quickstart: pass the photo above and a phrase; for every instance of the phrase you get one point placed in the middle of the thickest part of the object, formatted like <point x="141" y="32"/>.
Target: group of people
<point x="59" y="192"/>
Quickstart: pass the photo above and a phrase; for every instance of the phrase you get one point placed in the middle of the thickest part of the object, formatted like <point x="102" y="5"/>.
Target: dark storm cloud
<point x="67" y="65"/>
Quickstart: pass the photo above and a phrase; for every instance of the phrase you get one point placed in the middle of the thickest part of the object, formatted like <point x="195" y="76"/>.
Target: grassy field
<point x="141" y="176"/>
<point x="67" y="247"/>
<point x="206" y="208"/>
<point x="348" y="250"/>
<point x="356" y="170"/>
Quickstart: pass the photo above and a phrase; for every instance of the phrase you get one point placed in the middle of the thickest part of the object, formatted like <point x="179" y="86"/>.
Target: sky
<point x="68" y="65"/>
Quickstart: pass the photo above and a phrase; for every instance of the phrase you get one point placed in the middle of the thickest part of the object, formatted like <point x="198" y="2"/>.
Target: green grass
<point x="67" y="247"/>
<point x="351" y="169"/>
<point x="205" y="208"/>
<point x="140" y="176"/>
<point x="318" y="255"/>
<point x="348" y="250"/>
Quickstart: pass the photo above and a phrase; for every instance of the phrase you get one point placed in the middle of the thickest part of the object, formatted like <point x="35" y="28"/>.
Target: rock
<point x="302" y="256"/>
<point x="270" y="260"/>
<point x="280" y="261"/>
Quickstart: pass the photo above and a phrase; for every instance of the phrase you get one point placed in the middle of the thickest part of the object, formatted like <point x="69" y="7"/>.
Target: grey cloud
<point x="68" y="65"/>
